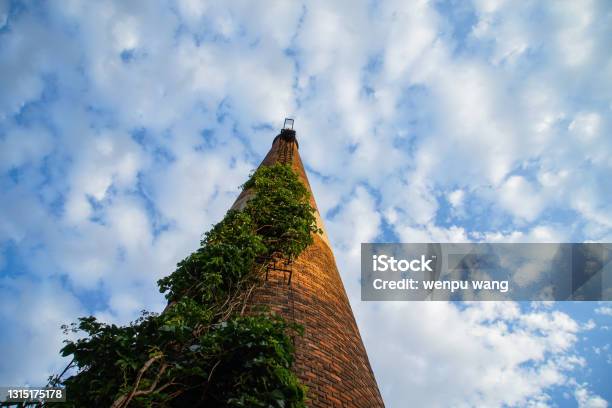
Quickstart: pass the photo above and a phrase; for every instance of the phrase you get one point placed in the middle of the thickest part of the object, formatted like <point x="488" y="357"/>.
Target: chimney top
<point x="287" y="133"/>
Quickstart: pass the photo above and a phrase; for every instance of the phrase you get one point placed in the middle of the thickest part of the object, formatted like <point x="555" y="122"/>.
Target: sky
<point x="126" y="129"/>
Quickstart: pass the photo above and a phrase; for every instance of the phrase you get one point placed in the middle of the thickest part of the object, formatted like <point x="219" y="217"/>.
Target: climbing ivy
<point x="204" y="350"/>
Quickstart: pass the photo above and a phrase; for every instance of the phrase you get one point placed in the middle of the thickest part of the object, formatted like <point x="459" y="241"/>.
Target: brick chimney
<point x="330" y="358"/>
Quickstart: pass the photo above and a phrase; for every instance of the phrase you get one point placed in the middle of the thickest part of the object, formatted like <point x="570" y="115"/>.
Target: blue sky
<point x="127" y="127"/>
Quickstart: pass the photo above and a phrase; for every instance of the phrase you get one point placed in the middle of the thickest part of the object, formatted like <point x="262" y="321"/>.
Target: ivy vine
<point x="204" y="349"/>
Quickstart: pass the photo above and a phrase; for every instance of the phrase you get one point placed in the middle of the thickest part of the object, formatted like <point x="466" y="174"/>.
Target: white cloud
<point x="411" y="34"/>
<point x="590" y="325"/>
<point x="520" y="198"/>
<point x="357" y="221"/>
<point x="34" y="312"/>
<point x="587" y="399"/>
<point x="604" y="310"/>
<point x="456" y="198"/>
<point x="586" y="126"/>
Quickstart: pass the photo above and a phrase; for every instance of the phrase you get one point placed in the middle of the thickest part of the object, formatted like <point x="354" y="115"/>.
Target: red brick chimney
<point x="330" y="358"/>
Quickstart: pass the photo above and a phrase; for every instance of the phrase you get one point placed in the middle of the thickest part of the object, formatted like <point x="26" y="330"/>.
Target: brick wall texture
<point x="330" y="358"/>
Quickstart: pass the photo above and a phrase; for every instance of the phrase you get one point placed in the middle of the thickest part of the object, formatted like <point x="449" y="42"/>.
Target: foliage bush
<point x="203" y="350"/>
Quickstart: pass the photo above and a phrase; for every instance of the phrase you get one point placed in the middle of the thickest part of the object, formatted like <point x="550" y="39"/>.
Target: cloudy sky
<point x="127" y="127"/>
